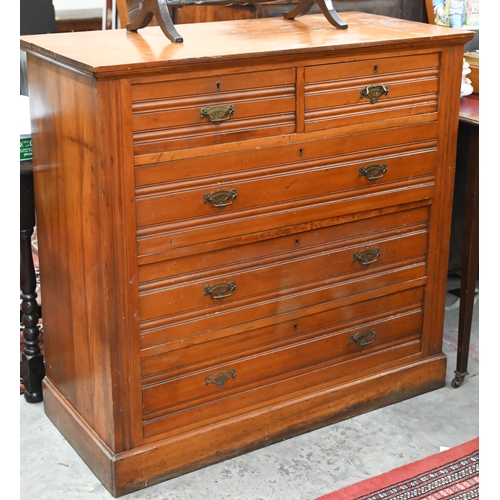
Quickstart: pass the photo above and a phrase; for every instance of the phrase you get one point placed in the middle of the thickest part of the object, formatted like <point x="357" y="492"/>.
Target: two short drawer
<point x="234" y="106"/>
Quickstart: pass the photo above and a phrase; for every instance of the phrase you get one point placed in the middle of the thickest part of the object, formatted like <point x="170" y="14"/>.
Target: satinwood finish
<point x="241" y="237"/>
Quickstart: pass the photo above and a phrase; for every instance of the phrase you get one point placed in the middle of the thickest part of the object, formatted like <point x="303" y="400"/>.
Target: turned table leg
<point x="32" y="363"/>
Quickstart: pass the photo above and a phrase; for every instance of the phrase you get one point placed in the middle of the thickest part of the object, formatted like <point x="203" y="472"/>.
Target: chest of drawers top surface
<point x="120" y="53"/>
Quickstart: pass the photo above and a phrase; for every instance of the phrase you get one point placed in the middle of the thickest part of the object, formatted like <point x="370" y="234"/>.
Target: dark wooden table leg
<point x="32" y="363"/>
<point x="329" y="12"/>
<point x="468" y="151"/>
<point x="158" y="9"/>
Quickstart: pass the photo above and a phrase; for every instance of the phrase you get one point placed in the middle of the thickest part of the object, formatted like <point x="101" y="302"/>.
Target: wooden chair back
<point x="430" y="11"/>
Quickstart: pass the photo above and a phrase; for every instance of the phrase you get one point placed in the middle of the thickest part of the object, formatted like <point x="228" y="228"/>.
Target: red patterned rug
<point x="449" y="475"/>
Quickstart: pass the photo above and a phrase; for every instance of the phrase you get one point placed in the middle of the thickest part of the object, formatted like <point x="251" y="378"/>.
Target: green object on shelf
<point x="26" y="151"/>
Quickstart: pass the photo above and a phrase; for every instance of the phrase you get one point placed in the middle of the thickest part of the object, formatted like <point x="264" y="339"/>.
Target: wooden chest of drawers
<point x="242" y="237"/>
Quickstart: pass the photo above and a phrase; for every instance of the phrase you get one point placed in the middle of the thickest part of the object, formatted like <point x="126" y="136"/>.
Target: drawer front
<point x="378" y="89"/>
<point x="266" y="192"/>
<point x="249" y="380"/>
<point x="308" y="181"/>
<point x="276" y="277"/>
<point x="195" y="112"/>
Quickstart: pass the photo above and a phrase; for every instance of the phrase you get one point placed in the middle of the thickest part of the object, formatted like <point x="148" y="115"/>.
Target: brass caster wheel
<point x="459" y="378"/>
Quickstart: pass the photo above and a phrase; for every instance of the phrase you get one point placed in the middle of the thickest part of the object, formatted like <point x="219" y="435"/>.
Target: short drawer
<point x="212" y="291"/>
<point x="250" y="381"/>
<point x="372" y="90"/>
<point x="216" y="109"/>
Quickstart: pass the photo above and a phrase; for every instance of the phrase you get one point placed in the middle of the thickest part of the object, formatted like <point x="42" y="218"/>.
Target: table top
<point x="469" y="109"/>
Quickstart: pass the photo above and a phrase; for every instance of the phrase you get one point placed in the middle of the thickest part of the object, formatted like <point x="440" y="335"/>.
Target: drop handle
<point x="217" y="114"/>
<point x="364" y="338"/>
<point x="220" y="198"/>
<point x="220" y="378"/>
<point x="367" y="257"/>
<point x="373" y="172"/>
<point x="220" y="290"/>
<point x="373" y="92"/>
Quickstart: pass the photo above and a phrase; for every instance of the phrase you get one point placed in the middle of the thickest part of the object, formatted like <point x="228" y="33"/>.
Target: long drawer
<point x="214" y="109"/>
<point x="285" y="274"/>
<point x="310" y="180"/>
<point x="249" y="378"/>
<point x="372" y="90"/>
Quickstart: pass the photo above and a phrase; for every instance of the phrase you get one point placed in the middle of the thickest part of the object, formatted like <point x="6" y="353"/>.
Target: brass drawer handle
<point x="364" y="338"/>
<point x="219" y="379"/>
<point x="220" y="290"/>
<point x="220" y="198"/>
<point x="217" y="114"/>
<point x="367" y="257"/>
<point x="373" y="92"/>
<point x="373" y="172"/>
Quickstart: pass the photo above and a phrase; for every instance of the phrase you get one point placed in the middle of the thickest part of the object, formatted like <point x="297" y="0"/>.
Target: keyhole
<point x="296" y="327"/>
<point x="297" y="243"/>
<point x="217" y="85"/>
<point x="300" y="152"/>
<point x="375" y="68"/>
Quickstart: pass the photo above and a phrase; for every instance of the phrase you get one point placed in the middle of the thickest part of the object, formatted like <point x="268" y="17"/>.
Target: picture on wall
<point x="456" y="13"/>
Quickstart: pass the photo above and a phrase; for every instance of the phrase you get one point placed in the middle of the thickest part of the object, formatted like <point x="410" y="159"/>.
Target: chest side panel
<point x="68" y="176"/>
